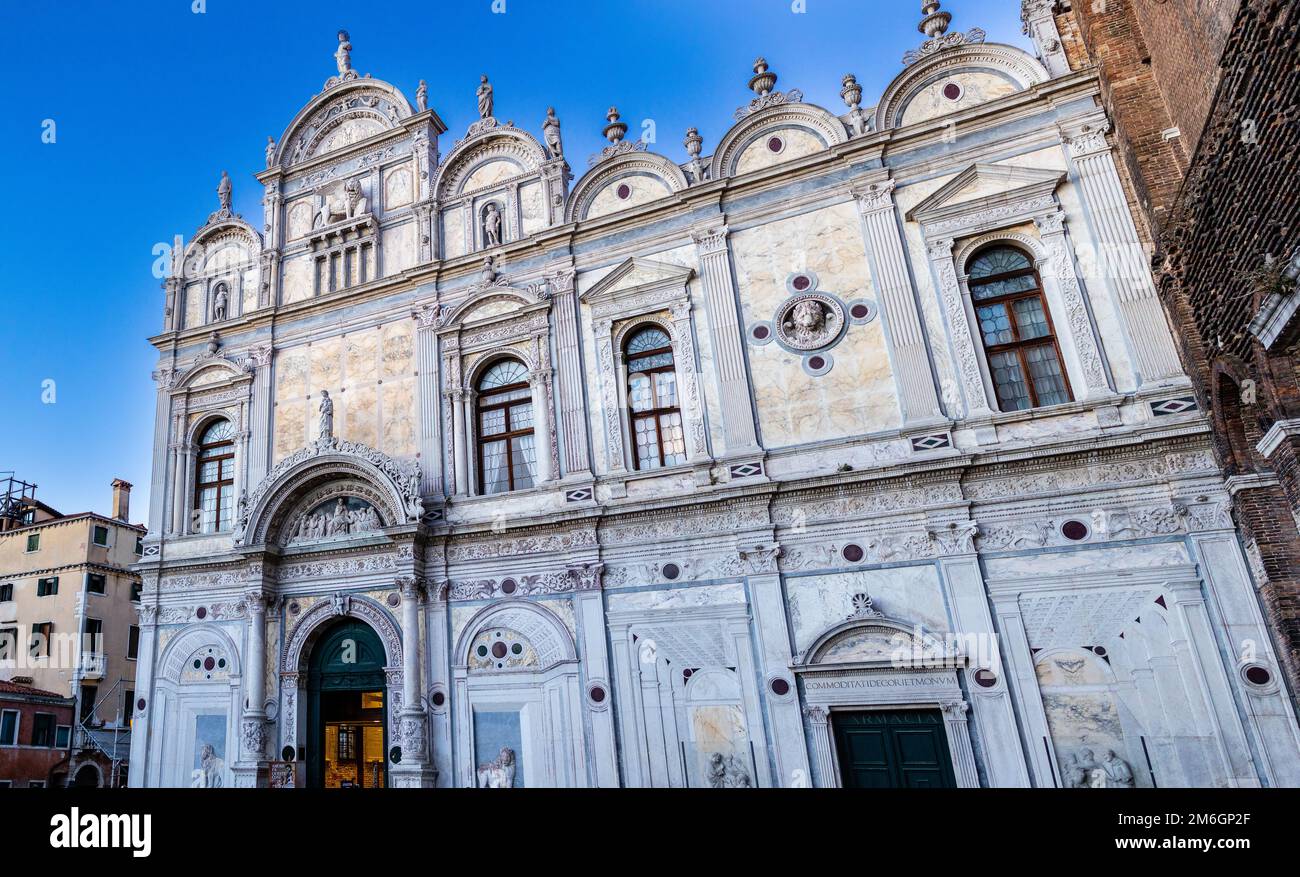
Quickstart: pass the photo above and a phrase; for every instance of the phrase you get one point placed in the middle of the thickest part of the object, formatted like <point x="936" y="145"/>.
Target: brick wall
<point x="1217" y="201"/>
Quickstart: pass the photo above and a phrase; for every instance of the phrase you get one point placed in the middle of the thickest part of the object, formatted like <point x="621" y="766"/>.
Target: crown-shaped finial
<point x="935" y="23"/>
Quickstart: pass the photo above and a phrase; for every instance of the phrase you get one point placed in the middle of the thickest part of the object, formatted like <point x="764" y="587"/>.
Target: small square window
<point x="9" y="728"/>
<point x="47" y="587"/>
<point x="6" y="592"/>
<point x="136" y="589"/>
<point x="62" y="736"/>
<point x="96" y="583"/>
<point x="33" y="541"/>
<point x="139" y="545"/>
<point x="39" y="644"/>
<point x="101" y="536"/>
<point x="8" y="644"/>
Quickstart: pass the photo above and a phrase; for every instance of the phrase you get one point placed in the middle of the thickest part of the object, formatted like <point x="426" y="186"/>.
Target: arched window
<point x="652" y="396"/>
<point x="1024" y="358"/>
<point x="505" y="428"/>
<point x="214" y="486"/>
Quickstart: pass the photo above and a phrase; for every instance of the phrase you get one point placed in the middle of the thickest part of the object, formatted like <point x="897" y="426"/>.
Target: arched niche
<point x="624" y="182"/>
<point x="225" y="254"/>
<point x="528" y="702"/>
<point x="344" y="114"/>
<point x="391" y="486"/>
<point x="977" y="73"/>
<point x="502" y="166"/>
<point x="801" y="129"/>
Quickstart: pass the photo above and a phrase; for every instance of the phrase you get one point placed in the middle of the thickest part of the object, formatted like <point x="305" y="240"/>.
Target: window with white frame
<point x="504" y="417"/>
<point x="214" y="488"/>
<point x="655" y="415"/>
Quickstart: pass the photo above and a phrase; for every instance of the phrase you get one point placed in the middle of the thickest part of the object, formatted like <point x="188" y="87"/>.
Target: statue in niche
<point x="422" y="96"/>
<point x="551" y="133"/>
<point x="498" y="773"/>
<point x="223" y="191"/>
<point x="725" y="772"/>
<point x="220" y="303"/>
<point x="492" y="225"/>
<point x="343" y="54"/>
<point x="484" y="93"/>
<point x="211" y="766"/>
<point x="326" y="416"/>
<point x="270" y="151"/>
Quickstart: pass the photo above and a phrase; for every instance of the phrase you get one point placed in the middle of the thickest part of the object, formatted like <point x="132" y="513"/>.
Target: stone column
<point x="457" y="400"/>
<point x="725" y="331"/>
<point x="1018" y="659"/>
<point x="1040" y="26"/>
<point x="413" y="771"/>
<point x="1207" y="684"/>
<point x="162" y="455"/>
<point x="613" y="392"/>
<point x="1121" y="257"/>
<point x="898" y="307"/>
<point x="692" y="403"/>
<point x="773" y="632"/>
<point x="823" y="743"/>
<point x="426" y="362"/>
<point x="260" y="416"/>
<point x="589" y="612"/>
<point x="251" y="769"/>
<point x="541" y="426"/>
<point x="995" y="717"/>
<point x="1078" y="317"/>
<point x="568" y="359"/>
<point x="438" y="649"/>
<point x="965" y="352"/>
<point x="142" y="729"/>
<point x="959" y="746"/>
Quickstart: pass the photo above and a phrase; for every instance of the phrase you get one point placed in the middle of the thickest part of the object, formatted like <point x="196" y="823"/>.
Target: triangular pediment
<point x="983" y="185"/>
<point x="639" y="274"/>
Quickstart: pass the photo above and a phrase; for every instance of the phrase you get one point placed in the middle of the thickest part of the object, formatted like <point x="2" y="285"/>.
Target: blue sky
<point x="151" y="101"/>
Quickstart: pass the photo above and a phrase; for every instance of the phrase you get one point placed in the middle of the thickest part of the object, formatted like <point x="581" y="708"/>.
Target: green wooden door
<point x="896" y="749"/>
<point x="347" y="658"/>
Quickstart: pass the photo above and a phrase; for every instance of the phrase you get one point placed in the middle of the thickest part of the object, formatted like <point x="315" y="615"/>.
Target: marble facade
<point x="852" y="525"/>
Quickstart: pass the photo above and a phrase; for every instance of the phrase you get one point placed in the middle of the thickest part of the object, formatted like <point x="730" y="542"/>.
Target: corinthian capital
<point x="874" y="197"/>
<point x="1086" y="139"/>
<point x="710" y="239"/>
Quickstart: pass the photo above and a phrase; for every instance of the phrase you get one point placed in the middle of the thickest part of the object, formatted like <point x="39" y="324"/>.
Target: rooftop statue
<point x="484" y="98"/>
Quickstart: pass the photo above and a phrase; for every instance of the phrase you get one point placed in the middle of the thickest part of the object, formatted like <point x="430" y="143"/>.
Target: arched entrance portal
<point x="346" y="704"/>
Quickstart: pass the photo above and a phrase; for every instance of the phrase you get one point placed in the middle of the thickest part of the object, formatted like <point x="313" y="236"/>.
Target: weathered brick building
<point x="1205" y="97"/>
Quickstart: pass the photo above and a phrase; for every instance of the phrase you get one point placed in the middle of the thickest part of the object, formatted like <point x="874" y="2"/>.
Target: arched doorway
<point x="87" y="777"/>
<point x="346" y="705"/>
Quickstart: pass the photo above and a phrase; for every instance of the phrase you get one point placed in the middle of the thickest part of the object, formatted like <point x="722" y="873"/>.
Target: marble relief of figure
<point x="212" y="767"/>
<point x="484" y="93"/>
<point x="492" y="225"/>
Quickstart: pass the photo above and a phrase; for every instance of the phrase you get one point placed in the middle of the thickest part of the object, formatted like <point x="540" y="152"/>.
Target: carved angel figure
<point x="498" y="773"/>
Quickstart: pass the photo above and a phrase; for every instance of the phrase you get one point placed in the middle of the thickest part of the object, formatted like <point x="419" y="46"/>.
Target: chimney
<point x="121" y="500"/>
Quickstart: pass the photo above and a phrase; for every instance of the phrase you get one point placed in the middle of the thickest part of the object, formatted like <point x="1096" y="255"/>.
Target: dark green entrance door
<point x="347" y="737"/>
<point x="896" y="749"/>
